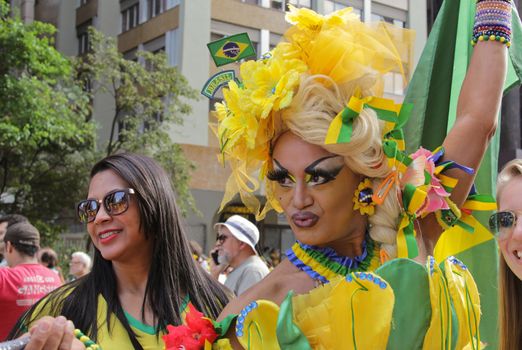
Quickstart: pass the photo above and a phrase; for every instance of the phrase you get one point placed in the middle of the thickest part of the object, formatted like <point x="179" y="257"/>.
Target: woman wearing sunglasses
<point x="143" y="275"/>
<point x="507" y="226"/>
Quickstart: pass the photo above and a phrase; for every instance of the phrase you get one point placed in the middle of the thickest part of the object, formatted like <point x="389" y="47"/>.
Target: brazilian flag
<point x="231" y="49"/>
<point x="434" y="91"/>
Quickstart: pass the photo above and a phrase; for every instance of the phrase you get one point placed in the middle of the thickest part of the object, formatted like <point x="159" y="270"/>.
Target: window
<point x="156" y="7"/>
<point x="299" y="3"/>
<point x="332" y="6"/>
<point x="82" y="2"/>
<point x="283" y="4"/>
<point x="393" y="83"/>
<point x="83" y="43"/>
<point x="130" y="17"/>
<point x="83" y="37"/>
<point x="131" y="54"/>
<point x="399" y="23"/>
<point x="253" y="2"/>
<point x="395" y="22"/>
<point x="277" y="4"/>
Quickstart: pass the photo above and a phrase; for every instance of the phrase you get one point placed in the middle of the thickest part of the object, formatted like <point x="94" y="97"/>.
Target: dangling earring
<point x="362" y="198"/>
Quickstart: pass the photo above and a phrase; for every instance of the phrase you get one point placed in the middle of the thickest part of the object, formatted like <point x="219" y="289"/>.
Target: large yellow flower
<point x="272" y="82"/>
<point x="275" y="85"/>
<point x="237" y="122"/>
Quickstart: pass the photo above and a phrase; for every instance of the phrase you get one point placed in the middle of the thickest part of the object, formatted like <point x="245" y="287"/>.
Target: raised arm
<point x="477" y="110"/>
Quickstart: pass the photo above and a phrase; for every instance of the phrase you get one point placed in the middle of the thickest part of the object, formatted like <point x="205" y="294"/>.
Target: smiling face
<point x="315" y="189"/>
<point x="118" y="238"/>
<point x="511" y="246"/>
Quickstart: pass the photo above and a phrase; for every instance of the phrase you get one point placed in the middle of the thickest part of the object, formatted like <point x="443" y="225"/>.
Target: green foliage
<point x="149" y="97"/>
<point x="47" y="137"/>
<point x="46" y="144"/>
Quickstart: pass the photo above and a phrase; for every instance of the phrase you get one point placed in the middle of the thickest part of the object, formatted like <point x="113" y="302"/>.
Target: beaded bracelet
<point x="492" y="22"/>
<point x="89" y="344"/>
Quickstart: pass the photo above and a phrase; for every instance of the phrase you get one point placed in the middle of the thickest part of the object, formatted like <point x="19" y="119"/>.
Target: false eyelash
<point x="277" y="175"/>
<point x="328" y="175"/>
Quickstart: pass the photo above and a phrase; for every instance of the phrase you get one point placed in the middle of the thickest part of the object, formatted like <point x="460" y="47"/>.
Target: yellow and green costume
<point x="401" y="305"/>
<point x="376" y="303"/>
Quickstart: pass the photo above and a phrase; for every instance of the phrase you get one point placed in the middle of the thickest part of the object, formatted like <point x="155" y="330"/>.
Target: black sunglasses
<point x="221" y="238"/>
<point x="115" y="203"/>
<point x="501" y="223"/>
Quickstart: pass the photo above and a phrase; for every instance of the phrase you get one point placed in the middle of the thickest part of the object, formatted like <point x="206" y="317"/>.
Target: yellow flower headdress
<point x="338" y="46"/>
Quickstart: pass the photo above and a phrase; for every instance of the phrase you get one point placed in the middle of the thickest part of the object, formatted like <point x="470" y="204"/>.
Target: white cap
<point x="241" y="228"/>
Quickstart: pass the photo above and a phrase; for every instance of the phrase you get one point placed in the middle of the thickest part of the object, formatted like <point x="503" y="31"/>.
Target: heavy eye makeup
<point x="319" y="172"/>
<point x="281" y="175"/>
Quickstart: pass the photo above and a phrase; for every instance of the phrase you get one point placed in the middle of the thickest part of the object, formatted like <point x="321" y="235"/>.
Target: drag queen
<point x="309" y="121"/>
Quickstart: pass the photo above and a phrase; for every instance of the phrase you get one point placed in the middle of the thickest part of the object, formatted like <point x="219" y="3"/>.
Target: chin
<point x="309" y="239"/>
<point x="109" y="254"/>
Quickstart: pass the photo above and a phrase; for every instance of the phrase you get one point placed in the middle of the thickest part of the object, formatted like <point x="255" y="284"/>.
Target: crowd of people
<point x="366" y="217"/>
<point x="28" y="272"/>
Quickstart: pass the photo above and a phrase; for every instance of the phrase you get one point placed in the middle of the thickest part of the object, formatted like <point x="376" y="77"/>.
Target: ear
<point x="242" y="245"/>
<point x="8" y="247"/>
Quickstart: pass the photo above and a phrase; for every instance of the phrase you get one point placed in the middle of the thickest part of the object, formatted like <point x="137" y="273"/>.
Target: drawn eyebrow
<point x="280" y="166"/>
<point x="312" y="166"/>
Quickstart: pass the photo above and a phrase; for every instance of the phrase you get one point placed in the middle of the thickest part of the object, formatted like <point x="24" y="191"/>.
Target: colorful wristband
<point x="492" y="22"/>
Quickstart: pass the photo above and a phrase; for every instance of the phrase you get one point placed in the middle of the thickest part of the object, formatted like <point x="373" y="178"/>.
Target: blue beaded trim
<point x="367" y="276"/>
<point x="457" y="262"/>
<point x="240" y="321"/>
<point x="432" y="265"/>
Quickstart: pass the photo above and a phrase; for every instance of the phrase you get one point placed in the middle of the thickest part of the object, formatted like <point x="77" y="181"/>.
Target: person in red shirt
<point x="25" y="281"/>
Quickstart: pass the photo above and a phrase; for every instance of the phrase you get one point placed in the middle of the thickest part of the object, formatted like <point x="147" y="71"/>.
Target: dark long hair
<point x="173" y="271"/>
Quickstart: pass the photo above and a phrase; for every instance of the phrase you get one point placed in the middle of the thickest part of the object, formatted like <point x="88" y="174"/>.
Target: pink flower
<point x="416" y="174"/>
<point x="191" y="336"/>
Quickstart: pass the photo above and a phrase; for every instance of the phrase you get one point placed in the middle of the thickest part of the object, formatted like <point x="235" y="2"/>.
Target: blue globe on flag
<point x="231" y="49"/>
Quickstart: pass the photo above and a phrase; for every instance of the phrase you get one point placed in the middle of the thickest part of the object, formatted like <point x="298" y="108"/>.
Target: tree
<point x="149" y="96"/>
<point x="46" y="144"/>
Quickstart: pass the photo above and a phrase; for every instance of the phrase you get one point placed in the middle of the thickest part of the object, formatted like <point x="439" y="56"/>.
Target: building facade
<point x="182" y="28"/>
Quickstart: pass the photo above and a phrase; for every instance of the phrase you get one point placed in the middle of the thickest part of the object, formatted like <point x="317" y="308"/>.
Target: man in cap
<point x="236" y="241"/>
<point x="25" y="281"/>
<point x="5" y="221"/>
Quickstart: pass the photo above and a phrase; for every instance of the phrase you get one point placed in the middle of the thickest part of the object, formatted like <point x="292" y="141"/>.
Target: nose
<point x="301" y="196"/>
<point x="102" y="215"/>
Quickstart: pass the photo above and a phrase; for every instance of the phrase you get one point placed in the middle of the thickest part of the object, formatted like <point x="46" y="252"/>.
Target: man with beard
<point x="235" y="244"/>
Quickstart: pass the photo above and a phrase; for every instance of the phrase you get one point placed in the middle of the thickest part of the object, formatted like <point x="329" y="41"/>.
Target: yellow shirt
<point x="118" y="338"/>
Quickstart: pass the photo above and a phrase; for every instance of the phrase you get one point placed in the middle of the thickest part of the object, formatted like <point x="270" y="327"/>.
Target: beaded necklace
<point x="324" y="264"/>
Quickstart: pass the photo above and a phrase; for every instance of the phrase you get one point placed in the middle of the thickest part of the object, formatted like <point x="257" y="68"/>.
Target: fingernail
<point x="43" y="327"/>
<point x="61" y="320"/>
<point x="69" y="327"/>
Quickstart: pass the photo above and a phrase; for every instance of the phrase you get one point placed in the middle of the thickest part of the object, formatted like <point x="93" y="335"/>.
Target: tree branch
<point x="114" y="119"/>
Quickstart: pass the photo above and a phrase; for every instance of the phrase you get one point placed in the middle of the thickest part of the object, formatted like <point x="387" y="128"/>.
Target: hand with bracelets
<point x="51" y="333"/>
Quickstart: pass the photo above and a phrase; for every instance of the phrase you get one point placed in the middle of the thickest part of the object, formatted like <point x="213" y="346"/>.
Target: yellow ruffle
<point x="352" y="314"/>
